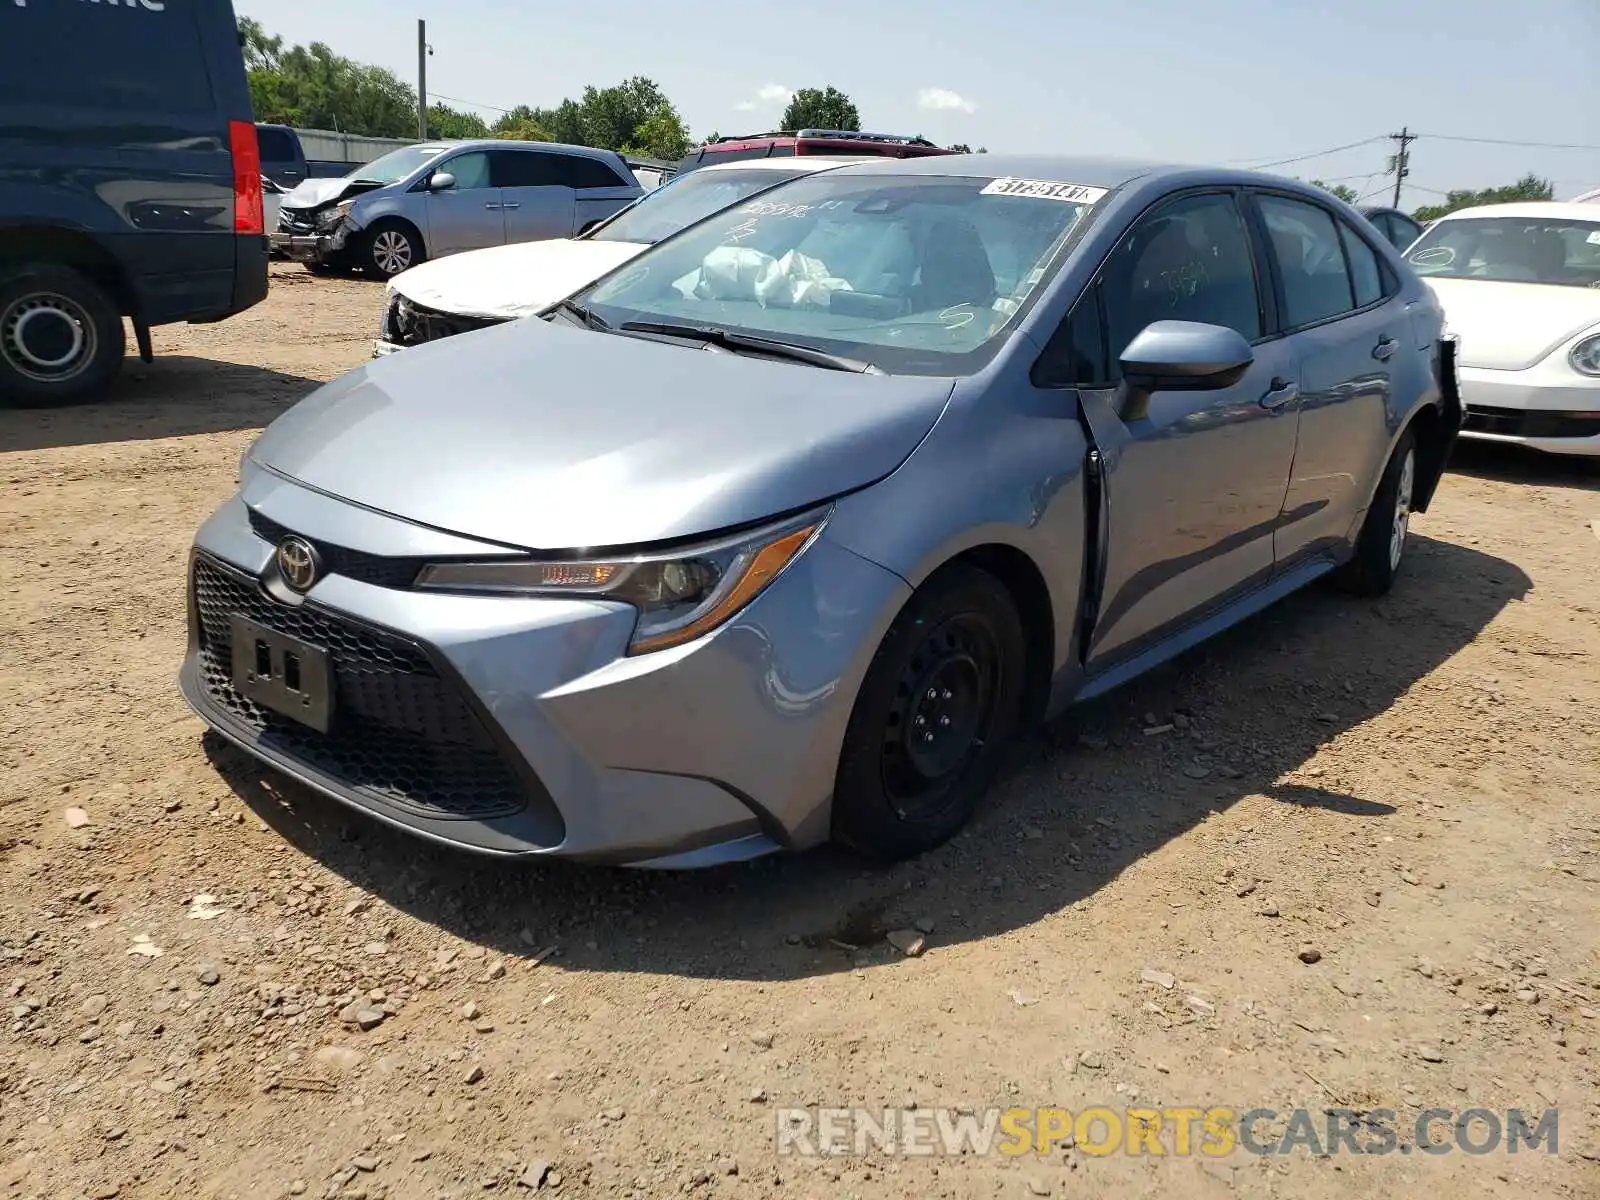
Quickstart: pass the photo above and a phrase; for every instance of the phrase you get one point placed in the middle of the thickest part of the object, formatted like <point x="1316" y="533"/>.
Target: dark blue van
<point x="130" y="184"/>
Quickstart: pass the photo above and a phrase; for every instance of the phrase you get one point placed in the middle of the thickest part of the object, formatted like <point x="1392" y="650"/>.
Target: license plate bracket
<point x="282" y="673"/>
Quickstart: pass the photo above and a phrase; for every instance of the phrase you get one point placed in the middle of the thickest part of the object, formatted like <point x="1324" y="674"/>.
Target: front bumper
<point x="519" y="727"/>
<point x="1516" y="407"/>
<point x="310" y="247"/>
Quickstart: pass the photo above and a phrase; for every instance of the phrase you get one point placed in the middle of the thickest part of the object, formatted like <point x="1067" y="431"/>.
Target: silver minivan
<point x="438" y="198"/>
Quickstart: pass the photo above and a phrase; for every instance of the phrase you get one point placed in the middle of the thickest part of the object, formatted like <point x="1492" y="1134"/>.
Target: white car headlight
<point x="1585" y="356"/>
<point x="680" y="593"/>
<point x="329" y="217"/>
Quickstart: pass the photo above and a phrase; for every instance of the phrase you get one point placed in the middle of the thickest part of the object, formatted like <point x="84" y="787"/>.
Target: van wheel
<point x="390" y="248"/>
<point x="933" y="719"/>
<point x="61" y="336"/>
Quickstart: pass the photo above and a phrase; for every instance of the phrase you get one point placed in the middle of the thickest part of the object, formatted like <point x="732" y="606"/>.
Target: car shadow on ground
<point x="1506" y="462"/>
<point x="176" y="396"/>
<point x="1081" y="801"/>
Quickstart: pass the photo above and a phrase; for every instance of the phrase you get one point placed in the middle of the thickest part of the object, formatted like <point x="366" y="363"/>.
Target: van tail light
<point x="248" y="216"/>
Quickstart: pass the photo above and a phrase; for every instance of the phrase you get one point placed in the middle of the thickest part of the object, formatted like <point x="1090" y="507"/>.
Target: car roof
<point x="801" y="164"/>
<point x="1089" y="170"/>
<point x="1560" y="210"/>
<point x="438" y="147"/>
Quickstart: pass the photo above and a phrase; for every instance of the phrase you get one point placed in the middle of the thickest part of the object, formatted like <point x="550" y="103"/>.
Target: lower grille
<point x="1517" y="422"/>
<point x="402" y="734"/>
<point x="297" y="220"/>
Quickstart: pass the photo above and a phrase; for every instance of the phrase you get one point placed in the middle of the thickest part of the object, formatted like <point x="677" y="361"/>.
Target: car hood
<point x="312" y="193"/>
<point x="551" y="437"/>
<point x="1511" y="326"/>
<point x="511" y="281"/>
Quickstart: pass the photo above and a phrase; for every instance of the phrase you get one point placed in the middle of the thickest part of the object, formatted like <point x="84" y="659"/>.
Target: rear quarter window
<point x="66" y="53"/>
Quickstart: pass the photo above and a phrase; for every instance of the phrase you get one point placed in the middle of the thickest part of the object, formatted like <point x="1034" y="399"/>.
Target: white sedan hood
<point x="508" y="282"/>
<point x="1511" y="326"/>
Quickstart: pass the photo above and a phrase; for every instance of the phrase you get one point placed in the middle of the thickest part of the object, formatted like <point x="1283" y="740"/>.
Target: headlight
<point x="244" y="460"/>
<point x="1585" y="356"/>
<point x="329" y="217"/>
<point x="680" y="593"/>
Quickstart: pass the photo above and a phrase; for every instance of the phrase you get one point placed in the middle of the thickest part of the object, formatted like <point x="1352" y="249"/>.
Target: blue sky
<point x="1250" y="80"/>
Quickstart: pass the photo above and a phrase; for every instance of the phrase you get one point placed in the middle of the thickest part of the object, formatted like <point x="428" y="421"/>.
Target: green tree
<point x="313" y="87"/>
<point x="961" y="148"/>
<point x="1347" y="194"/>
<point x="660" y="135"/>
<point x="820" y="108"/>
<point x="521" y="124"/>
<point x="446" y="122"/>
<point x="1529" y="187"/>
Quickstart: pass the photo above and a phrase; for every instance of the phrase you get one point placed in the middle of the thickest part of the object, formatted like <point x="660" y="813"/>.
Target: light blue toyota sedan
<point x="782" y="531"/>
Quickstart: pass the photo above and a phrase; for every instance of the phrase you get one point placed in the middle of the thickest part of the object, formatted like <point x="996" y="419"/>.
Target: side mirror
<point x="441" y="181"/>
<point x="1180" y="356"/>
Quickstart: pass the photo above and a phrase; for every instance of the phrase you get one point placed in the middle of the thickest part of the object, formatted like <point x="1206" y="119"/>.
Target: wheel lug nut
<point x="944" y="721"/>
<point x="927" y="737"/>
<point x="920" y="721"/>
<point x="946" y="695"/>
<point x="933" y="694"/>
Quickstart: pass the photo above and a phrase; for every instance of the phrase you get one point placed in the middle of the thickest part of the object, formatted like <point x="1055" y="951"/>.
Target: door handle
<point x="1384" y="349"/>
<point x="511" y="204"/>
<point x="1282" y="392"/>
<point x="492" y="204"/>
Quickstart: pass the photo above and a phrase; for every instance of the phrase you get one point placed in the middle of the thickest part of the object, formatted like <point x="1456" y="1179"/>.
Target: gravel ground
<point x="1347" y="856"/>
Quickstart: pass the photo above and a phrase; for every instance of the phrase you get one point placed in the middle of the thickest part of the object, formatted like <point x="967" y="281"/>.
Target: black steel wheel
<point x="940" y="703"/>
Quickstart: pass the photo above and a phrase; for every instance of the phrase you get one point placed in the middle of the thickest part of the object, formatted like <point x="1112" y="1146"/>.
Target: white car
<point x="486" y="287"/>
<point x="1520" y="285"/>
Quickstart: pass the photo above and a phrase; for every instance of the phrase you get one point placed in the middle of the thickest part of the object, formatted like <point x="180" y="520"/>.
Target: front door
<point x="538" y="201"/>
<point x="468" y="214"/>
<point x="1194" y="485"/>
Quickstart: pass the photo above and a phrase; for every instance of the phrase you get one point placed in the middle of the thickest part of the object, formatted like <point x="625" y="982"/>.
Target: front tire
<point x="389" y="248"/>
<point x="1381" y="545"/>
<point x="935" y="714"/>
<point x="61" y="336"/>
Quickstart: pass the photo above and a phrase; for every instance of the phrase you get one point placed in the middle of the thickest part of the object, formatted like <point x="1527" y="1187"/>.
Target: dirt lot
<point x="1408" y="789"/>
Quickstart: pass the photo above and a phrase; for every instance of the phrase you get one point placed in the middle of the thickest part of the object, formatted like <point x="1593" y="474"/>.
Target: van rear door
<point x="115" y="121"/>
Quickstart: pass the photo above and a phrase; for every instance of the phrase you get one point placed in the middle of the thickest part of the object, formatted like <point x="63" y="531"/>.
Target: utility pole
<point x="1400" y="162"/>
<point x="422" y="79"/>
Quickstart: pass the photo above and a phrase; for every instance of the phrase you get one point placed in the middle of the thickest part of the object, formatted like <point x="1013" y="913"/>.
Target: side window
<point x="276" y="146"/>
<point x="1363" y="267"/>
<point x="522" y="168"/>
<point x="1189" y="260"/>
<point x="471" y="170"/>
<point x="1316" y="283"/>
<point x="1076" y="356"/>
<point x="1404" y="231"/>
<point x="579" y="172"/>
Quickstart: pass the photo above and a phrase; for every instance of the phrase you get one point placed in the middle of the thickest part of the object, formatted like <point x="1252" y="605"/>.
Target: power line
<point x="471" y="103"/>
<point x="1445" y="137"/>
<point x="1283" y="162"/>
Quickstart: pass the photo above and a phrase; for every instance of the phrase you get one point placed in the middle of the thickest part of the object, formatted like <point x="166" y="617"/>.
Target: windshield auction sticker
<point x="1044" y="189"/>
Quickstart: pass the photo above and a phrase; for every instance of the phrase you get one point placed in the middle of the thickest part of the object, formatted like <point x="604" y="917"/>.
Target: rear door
<point x="1340" y="313"/>
<point x="598" y="190"/>
<point x="538" y="200"/>
<point x="468" y="215"/>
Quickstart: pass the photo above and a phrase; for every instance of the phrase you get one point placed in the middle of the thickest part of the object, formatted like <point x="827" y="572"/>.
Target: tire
<point x="950" y="667"/>
<point x="61" y="336"/>
<point x="1380" y="547"/>
<point x="388" y="248"/>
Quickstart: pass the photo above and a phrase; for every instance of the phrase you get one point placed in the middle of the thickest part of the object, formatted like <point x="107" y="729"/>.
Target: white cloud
<point x="944" y="100"/>
<point x="768" y="95"/>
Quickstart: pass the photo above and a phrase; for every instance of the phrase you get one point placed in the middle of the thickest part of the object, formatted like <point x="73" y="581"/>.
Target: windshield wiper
<point x="729" y="340"/>
<point x="590" y="319"/>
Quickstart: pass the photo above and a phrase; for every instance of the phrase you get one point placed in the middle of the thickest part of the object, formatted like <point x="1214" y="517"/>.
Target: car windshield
<point x="916" y="274"/>
<point x="397" y="164"/>
<point x="1511" y="250"/>
<point x="682" y="202"/>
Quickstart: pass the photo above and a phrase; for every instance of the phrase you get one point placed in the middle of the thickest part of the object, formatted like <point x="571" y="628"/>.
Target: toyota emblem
<point x="297" y="563"/>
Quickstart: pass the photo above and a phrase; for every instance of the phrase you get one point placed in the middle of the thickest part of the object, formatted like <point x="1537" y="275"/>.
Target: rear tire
<point x="1380" y="547"/>
<point x="935" y="714"/>
<point x="61" y="336"/>
<point x="388" y="248"/>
